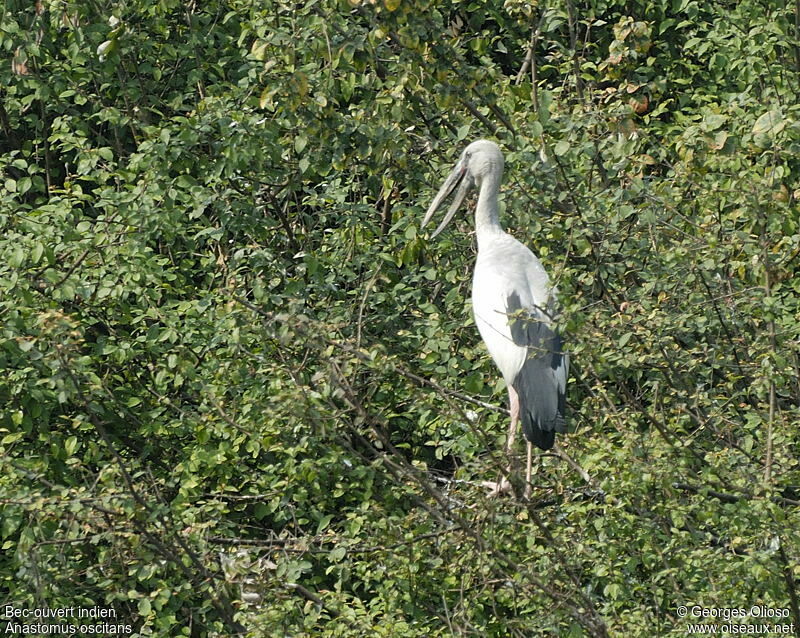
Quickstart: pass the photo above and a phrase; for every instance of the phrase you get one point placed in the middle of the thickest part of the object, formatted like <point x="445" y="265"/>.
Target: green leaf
<point x="71" y="445"/>
<point x="771" y="122"/>
<point x="713" y="121"/>
<point x="259" y="50"/>
<point x="36" y="253"/>
<point x="337" y="554"/>
<point x="17" y="257"/>
<point x="25" y="345"/>
<point x="107" y="48"/>
<point x="144" y="607"/>
<point x="324" y="522"/>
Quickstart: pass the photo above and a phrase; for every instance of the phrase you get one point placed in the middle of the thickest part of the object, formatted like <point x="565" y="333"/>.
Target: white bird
<point x="514" y="304"/>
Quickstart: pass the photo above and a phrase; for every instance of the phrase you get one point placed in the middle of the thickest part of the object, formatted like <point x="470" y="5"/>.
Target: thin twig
<point x="772" y="396"/>
<point x="362" y="305"/>
<point x="726" y="497"/>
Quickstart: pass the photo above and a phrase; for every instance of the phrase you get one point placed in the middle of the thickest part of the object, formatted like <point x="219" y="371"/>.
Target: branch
<point x="403" y="472"/>
<point x="480" y="116"/>
<point x="726" y="497"/>
<point x="363" y="355"/>
<point x="220" y="603"/>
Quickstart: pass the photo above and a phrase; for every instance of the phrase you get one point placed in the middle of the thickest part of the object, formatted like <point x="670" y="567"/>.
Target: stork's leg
<point x="513" y="407"/>
<point x="528" y="471"/>
<point x="503" y="485"/>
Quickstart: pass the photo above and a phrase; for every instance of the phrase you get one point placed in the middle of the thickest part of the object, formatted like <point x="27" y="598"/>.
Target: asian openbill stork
<point x="514" y="305"/>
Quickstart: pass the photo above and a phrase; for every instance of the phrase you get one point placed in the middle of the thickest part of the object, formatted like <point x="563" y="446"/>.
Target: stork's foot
<point x="503" y="486"/>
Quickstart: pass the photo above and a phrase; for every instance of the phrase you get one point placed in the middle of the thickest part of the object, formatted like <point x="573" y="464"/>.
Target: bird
<point x="515" y="306"/>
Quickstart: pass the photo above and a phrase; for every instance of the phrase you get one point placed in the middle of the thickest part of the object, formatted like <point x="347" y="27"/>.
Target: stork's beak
<point x="460" y="175"/>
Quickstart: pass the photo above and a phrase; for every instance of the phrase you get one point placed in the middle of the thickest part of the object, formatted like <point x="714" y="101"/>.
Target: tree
<point x="243" y="393"/>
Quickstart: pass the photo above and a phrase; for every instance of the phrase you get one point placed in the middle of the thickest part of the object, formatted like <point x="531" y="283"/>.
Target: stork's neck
<point x="487" y="222"/>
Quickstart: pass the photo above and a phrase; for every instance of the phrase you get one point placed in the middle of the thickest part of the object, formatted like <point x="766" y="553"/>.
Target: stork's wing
<point x="542" y="381"/>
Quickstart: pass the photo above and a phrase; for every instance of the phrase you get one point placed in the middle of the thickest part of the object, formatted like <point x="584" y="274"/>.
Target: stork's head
<point x="480" y="160"/>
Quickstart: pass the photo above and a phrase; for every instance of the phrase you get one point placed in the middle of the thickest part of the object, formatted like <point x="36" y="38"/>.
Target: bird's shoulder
<point x="508" y="267"/>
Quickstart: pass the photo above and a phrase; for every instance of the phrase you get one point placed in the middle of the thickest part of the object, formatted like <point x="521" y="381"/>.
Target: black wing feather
<point x="542" y="400"/>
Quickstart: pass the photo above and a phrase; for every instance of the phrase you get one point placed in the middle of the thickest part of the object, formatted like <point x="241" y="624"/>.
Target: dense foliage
<point x="241" y="392"/>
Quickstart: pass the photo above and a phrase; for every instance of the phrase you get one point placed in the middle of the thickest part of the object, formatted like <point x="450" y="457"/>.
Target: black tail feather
<point x="543" y="439"/>
<point x="536" y="426"/>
